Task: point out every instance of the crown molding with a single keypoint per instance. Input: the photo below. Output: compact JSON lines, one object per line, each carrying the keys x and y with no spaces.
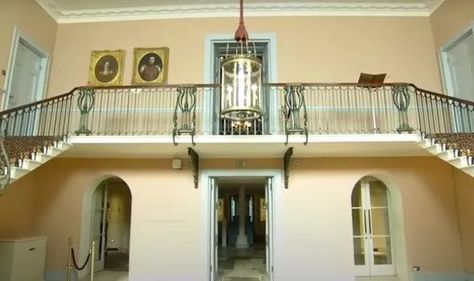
{"x":434,"y":5}
{"x":231,"y":10}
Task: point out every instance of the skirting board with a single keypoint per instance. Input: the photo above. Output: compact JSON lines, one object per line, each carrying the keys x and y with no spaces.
{"x":442,"y":276}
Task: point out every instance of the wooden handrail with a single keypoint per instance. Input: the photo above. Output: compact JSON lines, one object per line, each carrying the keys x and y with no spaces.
{"x":373,"y":85}
{"x":18,"y":108}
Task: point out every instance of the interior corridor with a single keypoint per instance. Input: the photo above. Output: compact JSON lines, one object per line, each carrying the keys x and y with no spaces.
{"x":241,"y":229}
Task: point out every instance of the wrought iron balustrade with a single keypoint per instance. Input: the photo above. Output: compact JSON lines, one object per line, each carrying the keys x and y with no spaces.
{"x":296,"y":108}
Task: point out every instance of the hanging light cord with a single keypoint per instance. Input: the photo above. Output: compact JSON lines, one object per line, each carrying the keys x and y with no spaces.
{"x":241,"y":34}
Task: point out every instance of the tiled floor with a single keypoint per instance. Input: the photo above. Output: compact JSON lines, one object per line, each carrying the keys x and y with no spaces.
{"x":242,"y":264}
{"x":116,"y":268}
{"x":234,"y":265}
{"x":109,"y":276}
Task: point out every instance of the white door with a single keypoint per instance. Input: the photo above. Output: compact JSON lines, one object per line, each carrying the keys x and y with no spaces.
{"x":373,"y":255}
{"x":460,"y":60}
{"x":458,"y":65}
{"x":269,"y":227}
{"x":99,"y":201}
{"x":27,"y":73}
{"x":214,"y":238}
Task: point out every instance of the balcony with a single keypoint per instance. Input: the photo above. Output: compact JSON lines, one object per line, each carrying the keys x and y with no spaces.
{"x":318,"y":120}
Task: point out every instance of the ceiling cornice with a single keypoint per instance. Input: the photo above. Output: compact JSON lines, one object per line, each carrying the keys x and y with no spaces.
{"x":231,"y":10}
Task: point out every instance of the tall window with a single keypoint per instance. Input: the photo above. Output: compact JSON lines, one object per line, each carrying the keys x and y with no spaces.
{"x":371,"y":228}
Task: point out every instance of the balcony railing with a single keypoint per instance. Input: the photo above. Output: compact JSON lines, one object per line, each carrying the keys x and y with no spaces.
{"x":194,"y":110}
{"x":291,"y":109}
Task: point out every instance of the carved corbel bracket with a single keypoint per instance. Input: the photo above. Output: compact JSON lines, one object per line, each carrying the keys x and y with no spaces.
{"x":195,"y":165}
{"x":286,"y":165}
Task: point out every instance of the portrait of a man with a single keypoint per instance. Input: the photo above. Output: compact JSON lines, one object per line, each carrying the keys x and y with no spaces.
{"x":106,"y":68}
{"x":150,"y":66}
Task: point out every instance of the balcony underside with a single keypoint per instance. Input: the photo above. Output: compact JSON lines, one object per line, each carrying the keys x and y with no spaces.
{"x":347,"y":145}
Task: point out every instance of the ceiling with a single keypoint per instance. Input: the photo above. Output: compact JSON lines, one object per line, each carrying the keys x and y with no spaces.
{"x":113,"y":10}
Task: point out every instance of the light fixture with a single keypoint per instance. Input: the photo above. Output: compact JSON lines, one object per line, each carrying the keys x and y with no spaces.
{"x":241,"y":98}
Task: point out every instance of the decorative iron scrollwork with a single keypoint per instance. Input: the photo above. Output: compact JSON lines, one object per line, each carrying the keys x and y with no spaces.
{"x":185,"y":113}
{"x":401,"y":99}
{"x":294,"y":110}
{"x":85,"y":103}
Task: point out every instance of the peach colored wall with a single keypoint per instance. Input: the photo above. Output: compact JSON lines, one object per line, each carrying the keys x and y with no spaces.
{"x":17,"y":209}
{"x":32,"y":20}
{"x":165,"y":210}
{"x":465,"y":195}
{"x":168,"y":238}
{"x":451,"y":18}
{"x":312,"y":49}
{"x":428,"y":198}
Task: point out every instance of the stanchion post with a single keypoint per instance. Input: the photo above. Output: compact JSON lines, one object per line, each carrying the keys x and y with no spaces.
{"x":92,"y":260}
{"x":69,"y":265}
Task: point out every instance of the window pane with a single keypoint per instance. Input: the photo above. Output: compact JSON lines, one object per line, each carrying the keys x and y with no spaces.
{"x":382,"y":250}
{"x":357,"y":222}
{"x":356,"y":196}
{"x":378,"y":194}
{"x":380,"y":223}
{"x":359,"y":251}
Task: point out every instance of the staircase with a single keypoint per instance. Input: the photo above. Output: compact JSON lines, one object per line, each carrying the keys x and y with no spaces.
{"x":456,"y":148}
{"x":24,"y":154}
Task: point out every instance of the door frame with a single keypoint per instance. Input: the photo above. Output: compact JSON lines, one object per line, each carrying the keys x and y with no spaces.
{"x":20,"y":37}
{"x":446,"y":78}
{"x":206,"y":176}
{"x":370,"y":267}
{"x":209,"y":41}
{"x":86,"y":219}
{"x":103,"y":222}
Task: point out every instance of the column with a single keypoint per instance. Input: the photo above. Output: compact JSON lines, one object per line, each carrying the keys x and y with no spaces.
{"x":242,"y":241}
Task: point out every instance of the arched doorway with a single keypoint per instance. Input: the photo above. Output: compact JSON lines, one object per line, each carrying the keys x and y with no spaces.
{"x":110,"y":225}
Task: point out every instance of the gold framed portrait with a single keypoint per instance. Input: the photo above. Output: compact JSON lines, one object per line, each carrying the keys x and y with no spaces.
{"x":106,"y":68}
{"x":150,"y":66}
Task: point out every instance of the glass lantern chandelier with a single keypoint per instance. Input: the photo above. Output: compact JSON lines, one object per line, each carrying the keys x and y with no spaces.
{"x":241,"y":72}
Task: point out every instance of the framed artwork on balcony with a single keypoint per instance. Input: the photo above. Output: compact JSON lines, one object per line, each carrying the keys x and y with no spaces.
{"x":150,"y":66}
{"x":106,"y":68}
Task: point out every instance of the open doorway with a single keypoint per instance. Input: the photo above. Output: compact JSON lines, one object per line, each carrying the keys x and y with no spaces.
{"x":457,"y":64}
{"x":241,"y":228}
{"x":110,"y":229}
{"x":27,"y":72}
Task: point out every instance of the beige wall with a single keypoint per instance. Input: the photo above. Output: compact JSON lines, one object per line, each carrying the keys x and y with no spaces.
{"x":169,"y":215}
{"x":32,"y":21}
{"x":427,"y":195}
{"x":309,"y":49}
{"x":452,"y":17}
{"x":17,"y":209}
{"x":465,"y":199}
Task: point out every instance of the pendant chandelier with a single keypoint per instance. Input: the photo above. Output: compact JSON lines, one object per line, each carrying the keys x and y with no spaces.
{"x":241,"y":79}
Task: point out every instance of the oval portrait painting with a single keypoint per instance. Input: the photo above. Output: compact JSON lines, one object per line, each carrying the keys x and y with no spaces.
{"x":106,"y":68}
{"x":150,"y":66}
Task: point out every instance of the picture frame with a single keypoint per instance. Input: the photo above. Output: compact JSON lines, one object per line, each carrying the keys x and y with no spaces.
{"x":150,"y":66}
{"x":106,"y":67}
